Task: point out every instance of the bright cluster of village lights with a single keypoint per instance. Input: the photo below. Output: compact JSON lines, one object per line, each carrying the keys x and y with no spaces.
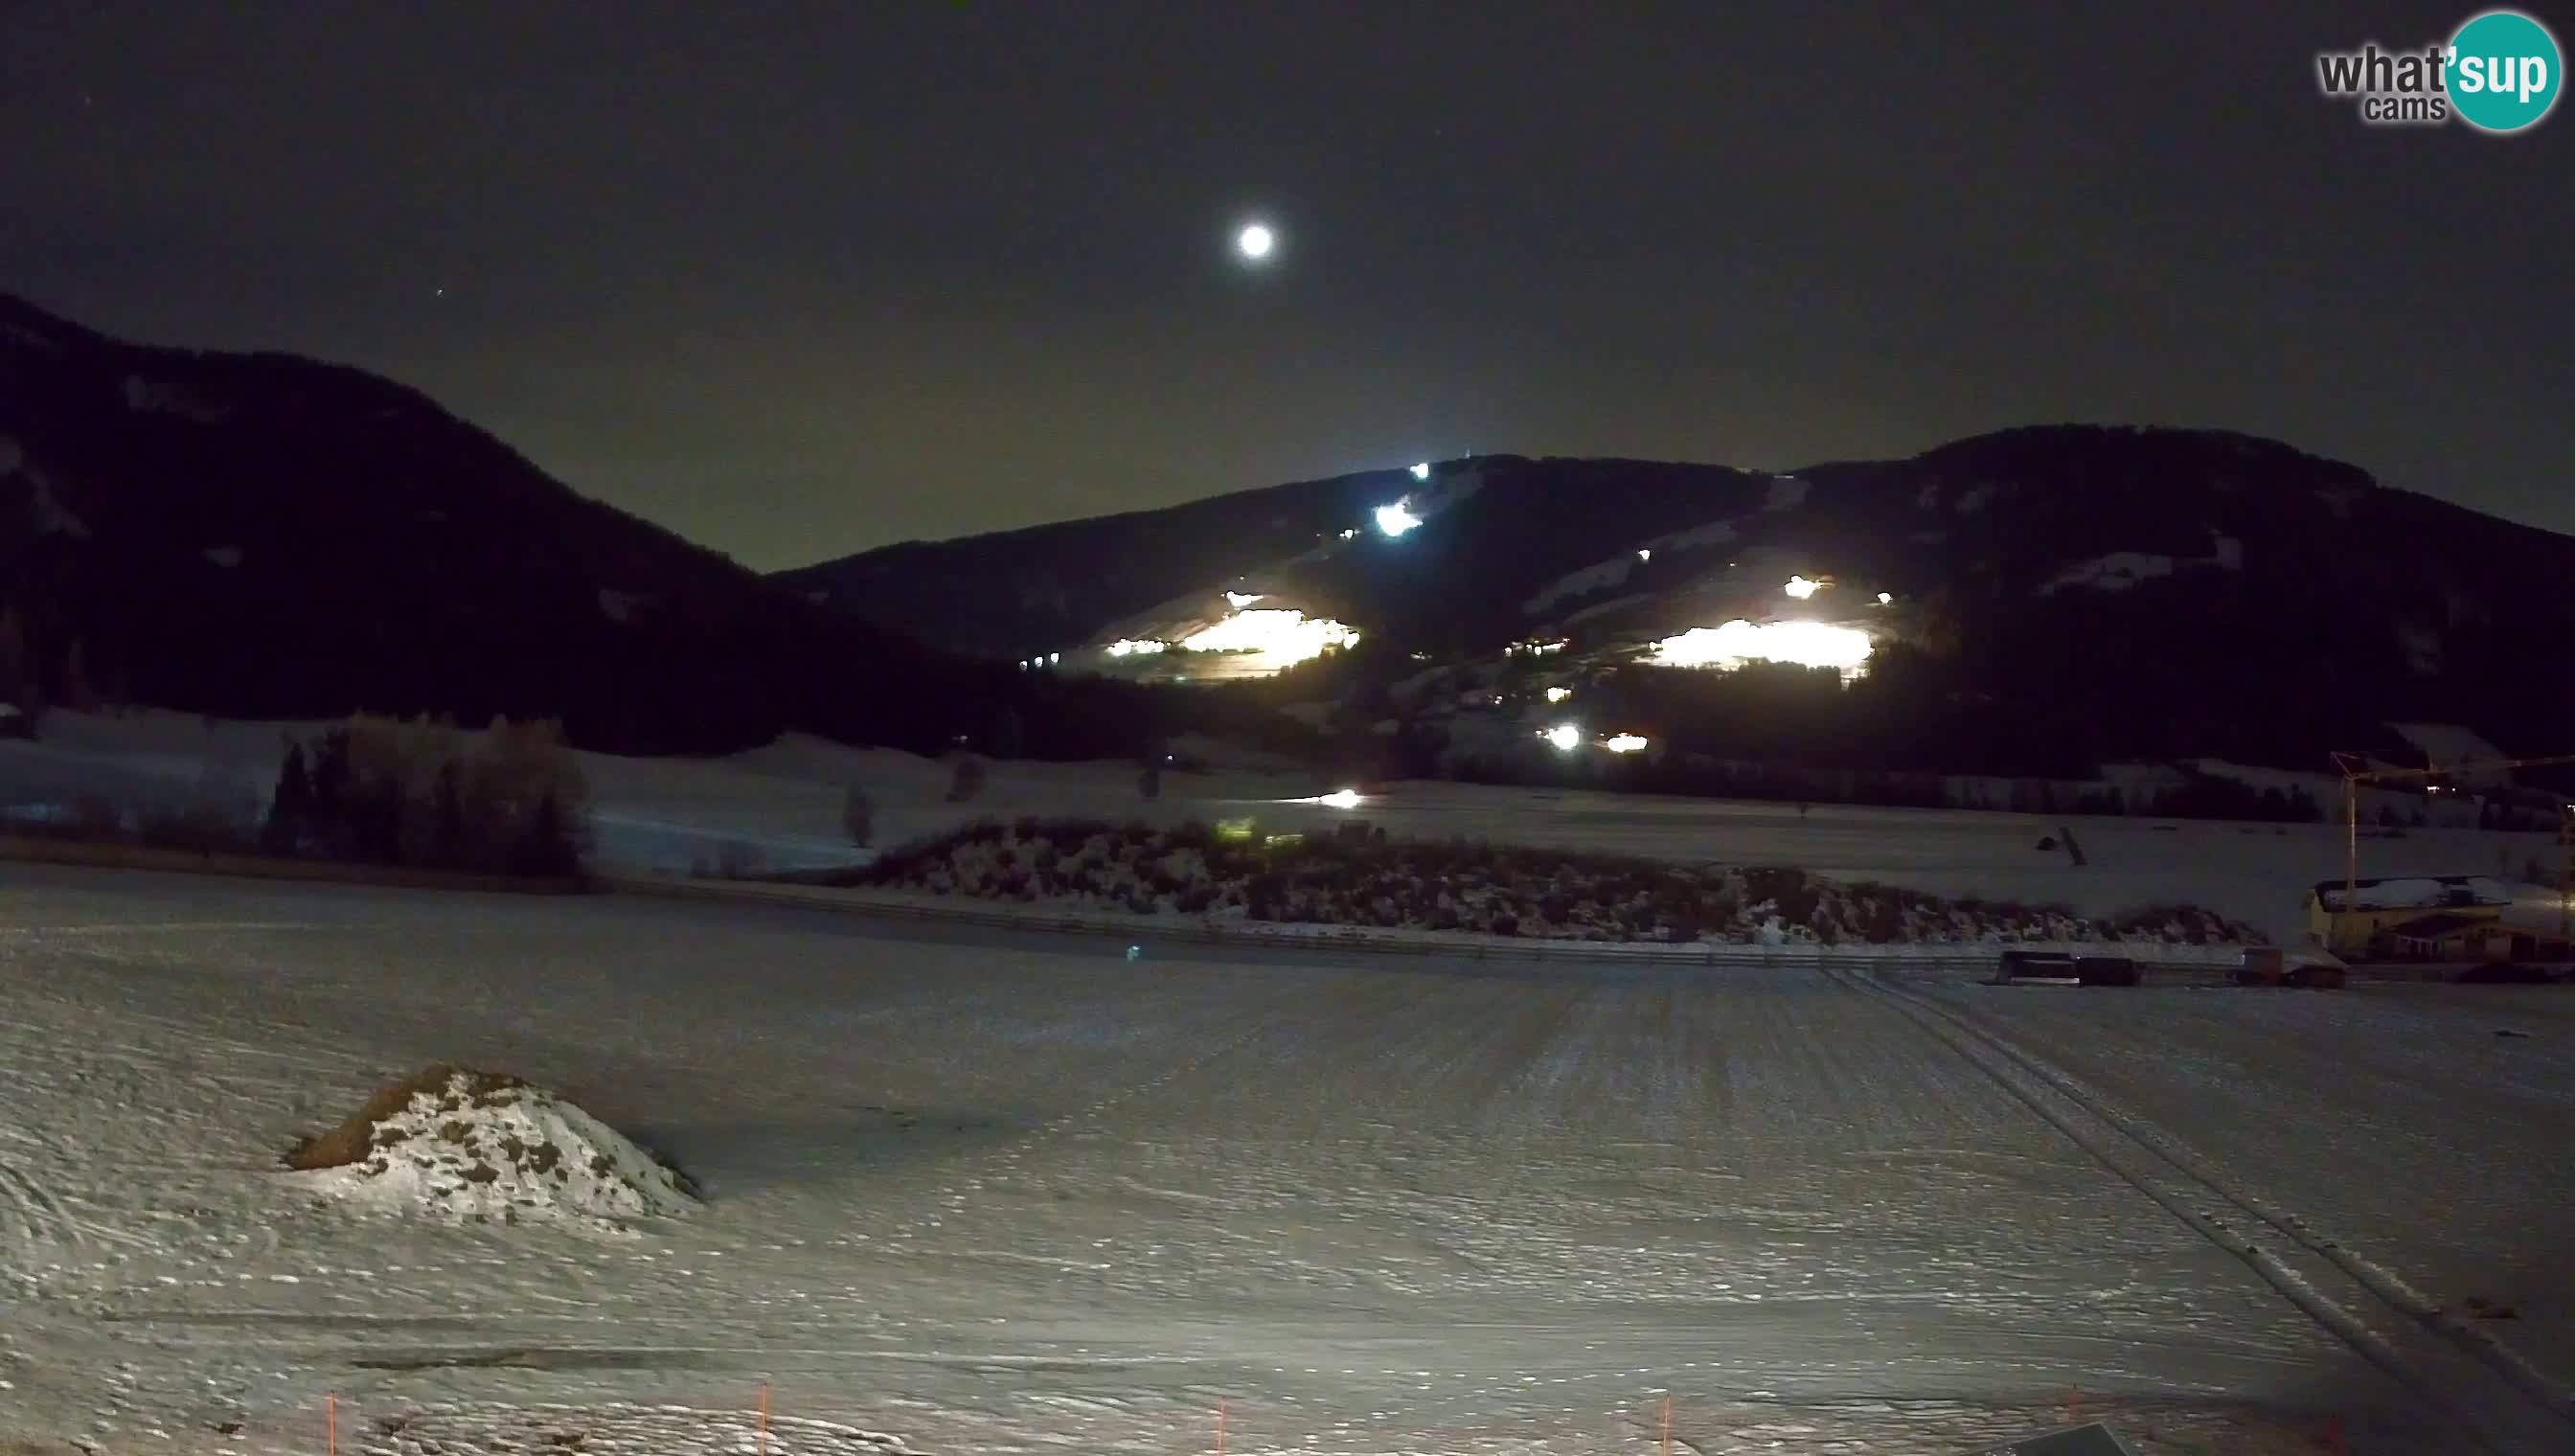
{"x":1737,"y":642}
{"x":1129,"y":647}
{"x":1801,"y":589}
{"x":1564,"y":737}
{"x":1283,"y":634}
{"x":1337,"y":798}
{"x":1396,"y":519}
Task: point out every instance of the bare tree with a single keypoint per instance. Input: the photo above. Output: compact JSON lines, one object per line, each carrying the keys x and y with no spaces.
{"x":858,"y":815}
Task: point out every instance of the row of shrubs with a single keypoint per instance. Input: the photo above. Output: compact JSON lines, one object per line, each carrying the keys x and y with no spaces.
{"x":1359,"y":876}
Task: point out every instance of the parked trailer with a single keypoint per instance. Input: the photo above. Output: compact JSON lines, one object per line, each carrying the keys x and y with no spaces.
{"x":2260,"y":966}
{"x":2108,"y":971}
{"x":2064,"y":968}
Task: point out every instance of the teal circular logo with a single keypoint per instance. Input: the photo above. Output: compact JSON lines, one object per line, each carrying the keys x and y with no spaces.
{"x":2505,"y":70}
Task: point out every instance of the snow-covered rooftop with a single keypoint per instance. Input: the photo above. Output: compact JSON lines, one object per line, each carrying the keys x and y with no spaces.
{"x":2425,"y":892}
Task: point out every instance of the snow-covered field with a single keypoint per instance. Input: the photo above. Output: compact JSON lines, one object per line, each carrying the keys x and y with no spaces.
{"x":784,"y":803}
{"x":991,"y":1195}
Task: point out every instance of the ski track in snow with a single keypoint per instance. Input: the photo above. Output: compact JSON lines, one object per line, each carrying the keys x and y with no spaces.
{"x":1003,"y":1196}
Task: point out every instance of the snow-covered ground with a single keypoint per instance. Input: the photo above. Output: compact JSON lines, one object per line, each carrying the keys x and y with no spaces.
{"x":783,"y":802}
{"x":998,"y":1195}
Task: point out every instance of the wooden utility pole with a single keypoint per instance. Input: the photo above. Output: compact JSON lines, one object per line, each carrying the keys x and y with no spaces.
{"x":2566,"y":875}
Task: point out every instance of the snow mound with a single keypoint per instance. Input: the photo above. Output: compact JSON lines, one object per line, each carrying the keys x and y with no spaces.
{"x":616,"y":1430}
{"x":472,"y":1145}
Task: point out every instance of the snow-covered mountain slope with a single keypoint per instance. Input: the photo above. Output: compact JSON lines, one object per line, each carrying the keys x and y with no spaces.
{"x":2177,"y":571}
{"x":263,"y":536}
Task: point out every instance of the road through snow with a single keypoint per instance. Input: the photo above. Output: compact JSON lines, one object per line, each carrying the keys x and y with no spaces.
{"x":1028,"y":1195}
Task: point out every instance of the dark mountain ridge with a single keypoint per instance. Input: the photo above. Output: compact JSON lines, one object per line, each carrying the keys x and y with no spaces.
{"x":259,"y":535}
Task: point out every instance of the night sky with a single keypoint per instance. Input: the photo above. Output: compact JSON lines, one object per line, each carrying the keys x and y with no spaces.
{"x":801,"y":280}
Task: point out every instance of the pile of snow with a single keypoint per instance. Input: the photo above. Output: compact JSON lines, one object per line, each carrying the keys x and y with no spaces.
{"x":472,"y":1145}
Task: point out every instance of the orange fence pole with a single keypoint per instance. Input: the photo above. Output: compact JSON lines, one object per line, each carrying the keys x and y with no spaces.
{"x":1668,"y":1424}
{"x":331,"y":1424}
{"x":1219,"y":1426}
{"x":764,"y":1418}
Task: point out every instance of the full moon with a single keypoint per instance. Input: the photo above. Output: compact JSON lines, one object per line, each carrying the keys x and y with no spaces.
{"x":1254,"y":242}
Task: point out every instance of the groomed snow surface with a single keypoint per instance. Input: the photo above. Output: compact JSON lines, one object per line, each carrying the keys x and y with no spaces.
{"x":1018,"y":1195}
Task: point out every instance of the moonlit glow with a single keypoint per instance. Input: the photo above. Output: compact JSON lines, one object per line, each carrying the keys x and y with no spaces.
{"x":1801,"y":589}
{"x":1396,"y":519}
{"x":1255,"y":241}
{"x":1565,"y":737}
{"x":1421,"y":472}
{"x":1806,"y":643}
{"x":1281,"y":635}
{"x":1625,"y":743}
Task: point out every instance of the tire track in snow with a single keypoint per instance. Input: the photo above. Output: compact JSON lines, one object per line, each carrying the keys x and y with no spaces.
{"x":33,"y":1214}
{"x":2378,"y":1278}
{"x":2204,"y":1203}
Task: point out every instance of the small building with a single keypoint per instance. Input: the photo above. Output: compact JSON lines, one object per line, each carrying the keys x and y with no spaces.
{"x":2447,"y":936}
{"x":2380,"y":905}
